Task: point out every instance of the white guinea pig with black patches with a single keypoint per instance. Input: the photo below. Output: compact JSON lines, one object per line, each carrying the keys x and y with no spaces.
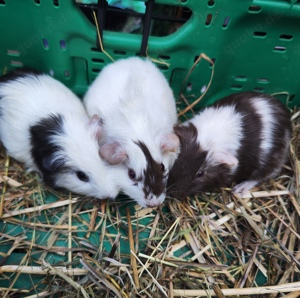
{"x":242,"y":139}
{"x":138,"y":110}
{"x":44,"y":125}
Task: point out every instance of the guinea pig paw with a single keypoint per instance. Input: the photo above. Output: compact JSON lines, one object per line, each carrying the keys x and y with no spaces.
{"x":243,"y":187}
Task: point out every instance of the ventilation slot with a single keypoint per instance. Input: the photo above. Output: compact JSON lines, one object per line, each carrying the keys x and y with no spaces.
{"x":16,"y":63}
{"x":2,"y":2}
{"x":240,"y":78}
{"x":263,"y":81}
{"x":13,"y":53}
{"x":119,"y":52}
{"x":162,"y":66}
{"x":259,"y":34}
{"x":286,"y":37}
{"x":63,"y":45}
{"x":96,"y":60}
{"x":259,"y":89}
{"x":236,"y":87}
{"x":254,"y":9}
{"x":279,"y":49}
{"x":45,"y":44}
{"x":164,"y":57}
{"x":226,"y":22}
{"x":189,"y":87}
{"x":292,"y":97}
{"x":208,"y":19}
{"x":37,"y":2}
{"x":56,"y":3}
{"x":96,"y":70}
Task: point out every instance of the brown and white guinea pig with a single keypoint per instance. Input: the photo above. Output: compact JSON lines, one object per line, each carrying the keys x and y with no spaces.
{"x":242,"y":139}
{"x":138,"y":109}
{"x":44,"y":125}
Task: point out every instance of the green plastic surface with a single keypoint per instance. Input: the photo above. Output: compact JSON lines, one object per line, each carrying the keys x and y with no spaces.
{"x":255,"y":45}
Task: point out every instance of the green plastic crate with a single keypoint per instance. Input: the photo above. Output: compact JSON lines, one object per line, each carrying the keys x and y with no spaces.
{"x":255,"y":45}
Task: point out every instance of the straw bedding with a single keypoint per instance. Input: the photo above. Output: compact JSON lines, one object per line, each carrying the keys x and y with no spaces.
{"x":55,"y":244}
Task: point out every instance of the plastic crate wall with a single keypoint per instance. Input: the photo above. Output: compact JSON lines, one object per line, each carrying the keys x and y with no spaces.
{"x":255,"y":45}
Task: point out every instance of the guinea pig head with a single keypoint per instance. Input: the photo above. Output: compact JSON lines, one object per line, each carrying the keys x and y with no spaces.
{"x":197,"y":169}
{"x":144,"y":177}
{"x":66,"y":151}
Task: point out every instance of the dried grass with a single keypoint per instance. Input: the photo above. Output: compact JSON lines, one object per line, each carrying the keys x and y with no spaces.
{"x":216,"y":244}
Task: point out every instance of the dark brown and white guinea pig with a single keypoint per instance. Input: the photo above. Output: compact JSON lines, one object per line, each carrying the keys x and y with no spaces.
{"x":138,"y":109}
{"x":242,"y":139}
{"x":44,"y":125}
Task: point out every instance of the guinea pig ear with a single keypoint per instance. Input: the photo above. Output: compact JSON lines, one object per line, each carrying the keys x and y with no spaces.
{"x":95,"y":124}
{"x":170,"y":143}
{"x":113,"y":153}
{"x":225,"y":157}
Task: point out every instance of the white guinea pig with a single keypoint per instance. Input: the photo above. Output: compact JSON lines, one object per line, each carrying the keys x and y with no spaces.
{"x":44,"y":125}
{"x":138,"y":110}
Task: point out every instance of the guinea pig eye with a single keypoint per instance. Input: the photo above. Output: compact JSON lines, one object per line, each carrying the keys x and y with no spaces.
{"x":162,"y":167}
{"x":82,"y":176}
{"x":200,"y":174}
{"x":131,"y":174}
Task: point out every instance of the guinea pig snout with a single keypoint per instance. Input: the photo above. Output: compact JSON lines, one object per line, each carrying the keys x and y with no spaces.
{"x":154,"y":201}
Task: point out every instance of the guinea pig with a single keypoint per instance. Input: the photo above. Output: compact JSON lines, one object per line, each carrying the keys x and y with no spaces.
{"x":136,"y":104}
{"x":44,"y":125}
{"x":242,"y":139}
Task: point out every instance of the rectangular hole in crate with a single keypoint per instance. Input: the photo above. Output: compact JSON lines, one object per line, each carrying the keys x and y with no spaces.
{"x":2,"y":2}
{"x":37,"y":2}
{"x":162,"y":66}
{"x":120,"y":52}
{"x":67,"y":73}
{"x":286,"y":37}
{"x":97,"y":50}
{"x":45,"y":43}
{"x":97,"y":60}
{"x":258,"y":89}
{"x":226,"y":22}
{"x":259,"y":34}
{"x":96,"y":70}
{"x":164,"y":57}
{"x":63,"y":45}
{"x":56,"y":3}
{"x":16,"y":63}
{"x":208,"y":19}
{"x":263,"y":80}
{"x":254,"y":9}
{"x":291,"y":97}
{"x":236,"y":87}
{"x":240,"y":78}
{"x":280,"y":49}
{"x":13,"y":53}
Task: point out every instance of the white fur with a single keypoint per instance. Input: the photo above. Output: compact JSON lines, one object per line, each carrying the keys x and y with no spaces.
{"x":222,"y":138}
{"x":136,"y":104}
{"x":266,"y":113}
{"x":24,"y":102}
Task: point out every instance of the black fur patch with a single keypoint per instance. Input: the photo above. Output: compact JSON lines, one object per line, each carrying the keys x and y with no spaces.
{"x":43,"y":149}
{"x":154,"y":177}
{"x":183,"y":179}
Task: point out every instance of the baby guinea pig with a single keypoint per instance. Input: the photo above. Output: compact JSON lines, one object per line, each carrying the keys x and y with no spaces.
{"x":137,"y":106}
{"x":44,"y":125}
{"x":242,"y":139}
